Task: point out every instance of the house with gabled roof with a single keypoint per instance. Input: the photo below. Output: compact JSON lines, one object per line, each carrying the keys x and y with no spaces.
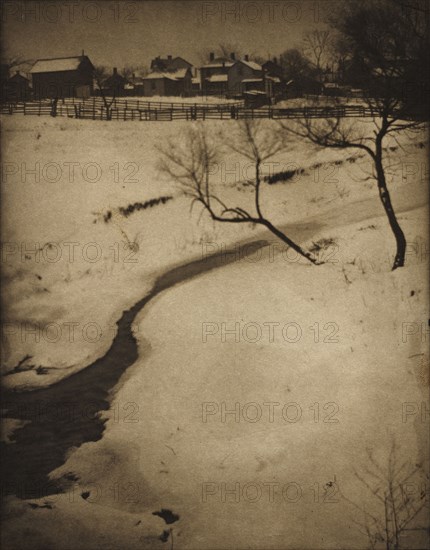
{"x":63,"y":77}
{"x":214,"y":75}
{"x":169,"y":63}
{"x":168,"y":83}
{"x":242,"y":73}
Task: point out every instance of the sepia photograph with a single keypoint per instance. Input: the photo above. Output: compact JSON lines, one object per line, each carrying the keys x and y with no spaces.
{"x":215,"y":257}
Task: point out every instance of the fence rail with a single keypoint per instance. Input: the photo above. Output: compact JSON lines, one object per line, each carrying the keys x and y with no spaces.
{"x":95,"y":109}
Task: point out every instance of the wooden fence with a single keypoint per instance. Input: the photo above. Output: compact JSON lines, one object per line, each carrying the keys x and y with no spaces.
{"x":94,"y":109}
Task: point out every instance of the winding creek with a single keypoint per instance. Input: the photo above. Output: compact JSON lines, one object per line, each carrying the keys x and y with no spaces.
{"x":66,"y":414}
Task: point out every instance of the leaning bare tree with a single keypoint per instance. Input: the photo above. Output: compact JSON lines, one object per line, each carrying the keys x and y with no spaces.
{"x":384,"y":70}
{"x":397,"y":500}
{"x":191,"y":163}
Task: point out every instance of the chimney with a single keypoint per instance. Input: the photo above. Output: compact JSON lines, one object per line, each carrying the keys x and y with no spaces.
{"x":83,"y":53}
{"x":275,"y":60}
{"x":115,"y":70}
{"x":169,"y":58}
{"x":233,"y":56}
{"x":211,"y":56}
{"x":246,"y":57}
{"x":17,"y":72}
{"x":134,"y":76}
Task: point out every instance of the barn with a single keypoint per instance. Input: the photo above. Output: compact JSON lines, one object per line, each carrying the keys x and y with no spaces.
{"x":63,"y":77}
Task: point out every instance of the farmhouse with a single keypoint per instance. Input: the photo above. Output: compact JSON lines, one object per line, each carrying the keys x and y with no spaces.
{"x":168,"y":83}
{"x":214,"y":75}
{"x":242,"y":73}
{"x":63,"y":77}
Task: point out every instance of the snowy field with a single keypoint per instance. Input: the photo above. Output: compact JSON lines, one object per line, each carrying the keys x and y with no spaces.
{"x":354,"y":351}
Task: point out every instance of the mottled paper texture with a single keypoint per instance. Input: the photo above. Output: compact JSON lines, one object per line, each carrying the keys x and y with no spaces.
{"x":214,"y":258}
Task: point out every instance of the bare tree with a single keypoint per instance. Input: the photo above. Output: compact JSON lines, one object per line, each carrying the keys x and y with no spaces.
{"x":191,"y":165}
{"x":337,"y":133}
{"x":397,"y":497}
{"x":384,"y":46}
{"x":17,"y":61}
{"x":316,"y":46}
{"x":222,"y":51}
{"x":129,"y":70}
{"x":100,"y":75}
{"x":296,"y":65}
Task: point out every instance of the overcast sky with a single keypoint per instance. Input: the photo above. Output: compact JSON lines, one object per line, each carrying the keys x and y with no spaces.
{"x":133,"y":32}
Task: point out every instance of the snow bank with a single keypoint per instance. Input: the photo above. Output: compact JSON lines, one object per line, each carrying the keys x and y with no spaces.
{"x":62,"y":177}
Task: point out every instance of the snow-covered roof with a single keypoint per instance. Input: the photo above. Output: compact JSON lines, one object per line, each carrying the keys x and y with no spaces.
{"x":218,"y":64}
{"x":254,"y":92}
{"x":252,"y":80}
{"x":252,"y":65}
{"x":273,"y":79}
{"x":56,"y":65}
{"x":171,"y":75}
{"x":217,"y":78}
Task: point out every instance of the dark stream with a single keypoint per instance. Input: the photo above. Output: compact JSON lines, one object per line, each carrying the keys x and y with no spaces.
{"x":66,"y":414}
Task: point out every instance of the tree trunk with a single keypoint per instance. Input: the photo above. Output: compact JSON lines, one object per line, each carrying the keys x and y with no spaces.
{"x":384,"y":195}
{"x":310,"y":257}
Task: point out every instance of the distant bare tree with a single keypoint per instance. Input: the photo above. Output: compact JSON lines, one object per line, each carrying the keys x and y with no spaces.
{"x":296,"y":65}
{"x":15,"y":62}
{"x":190,"y":162}
{"x":128,"y":71}
{"x":316,"y":46}
{"x":101,"y":74}
{"x":223,"y":50}
{"x":398,"y":496}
